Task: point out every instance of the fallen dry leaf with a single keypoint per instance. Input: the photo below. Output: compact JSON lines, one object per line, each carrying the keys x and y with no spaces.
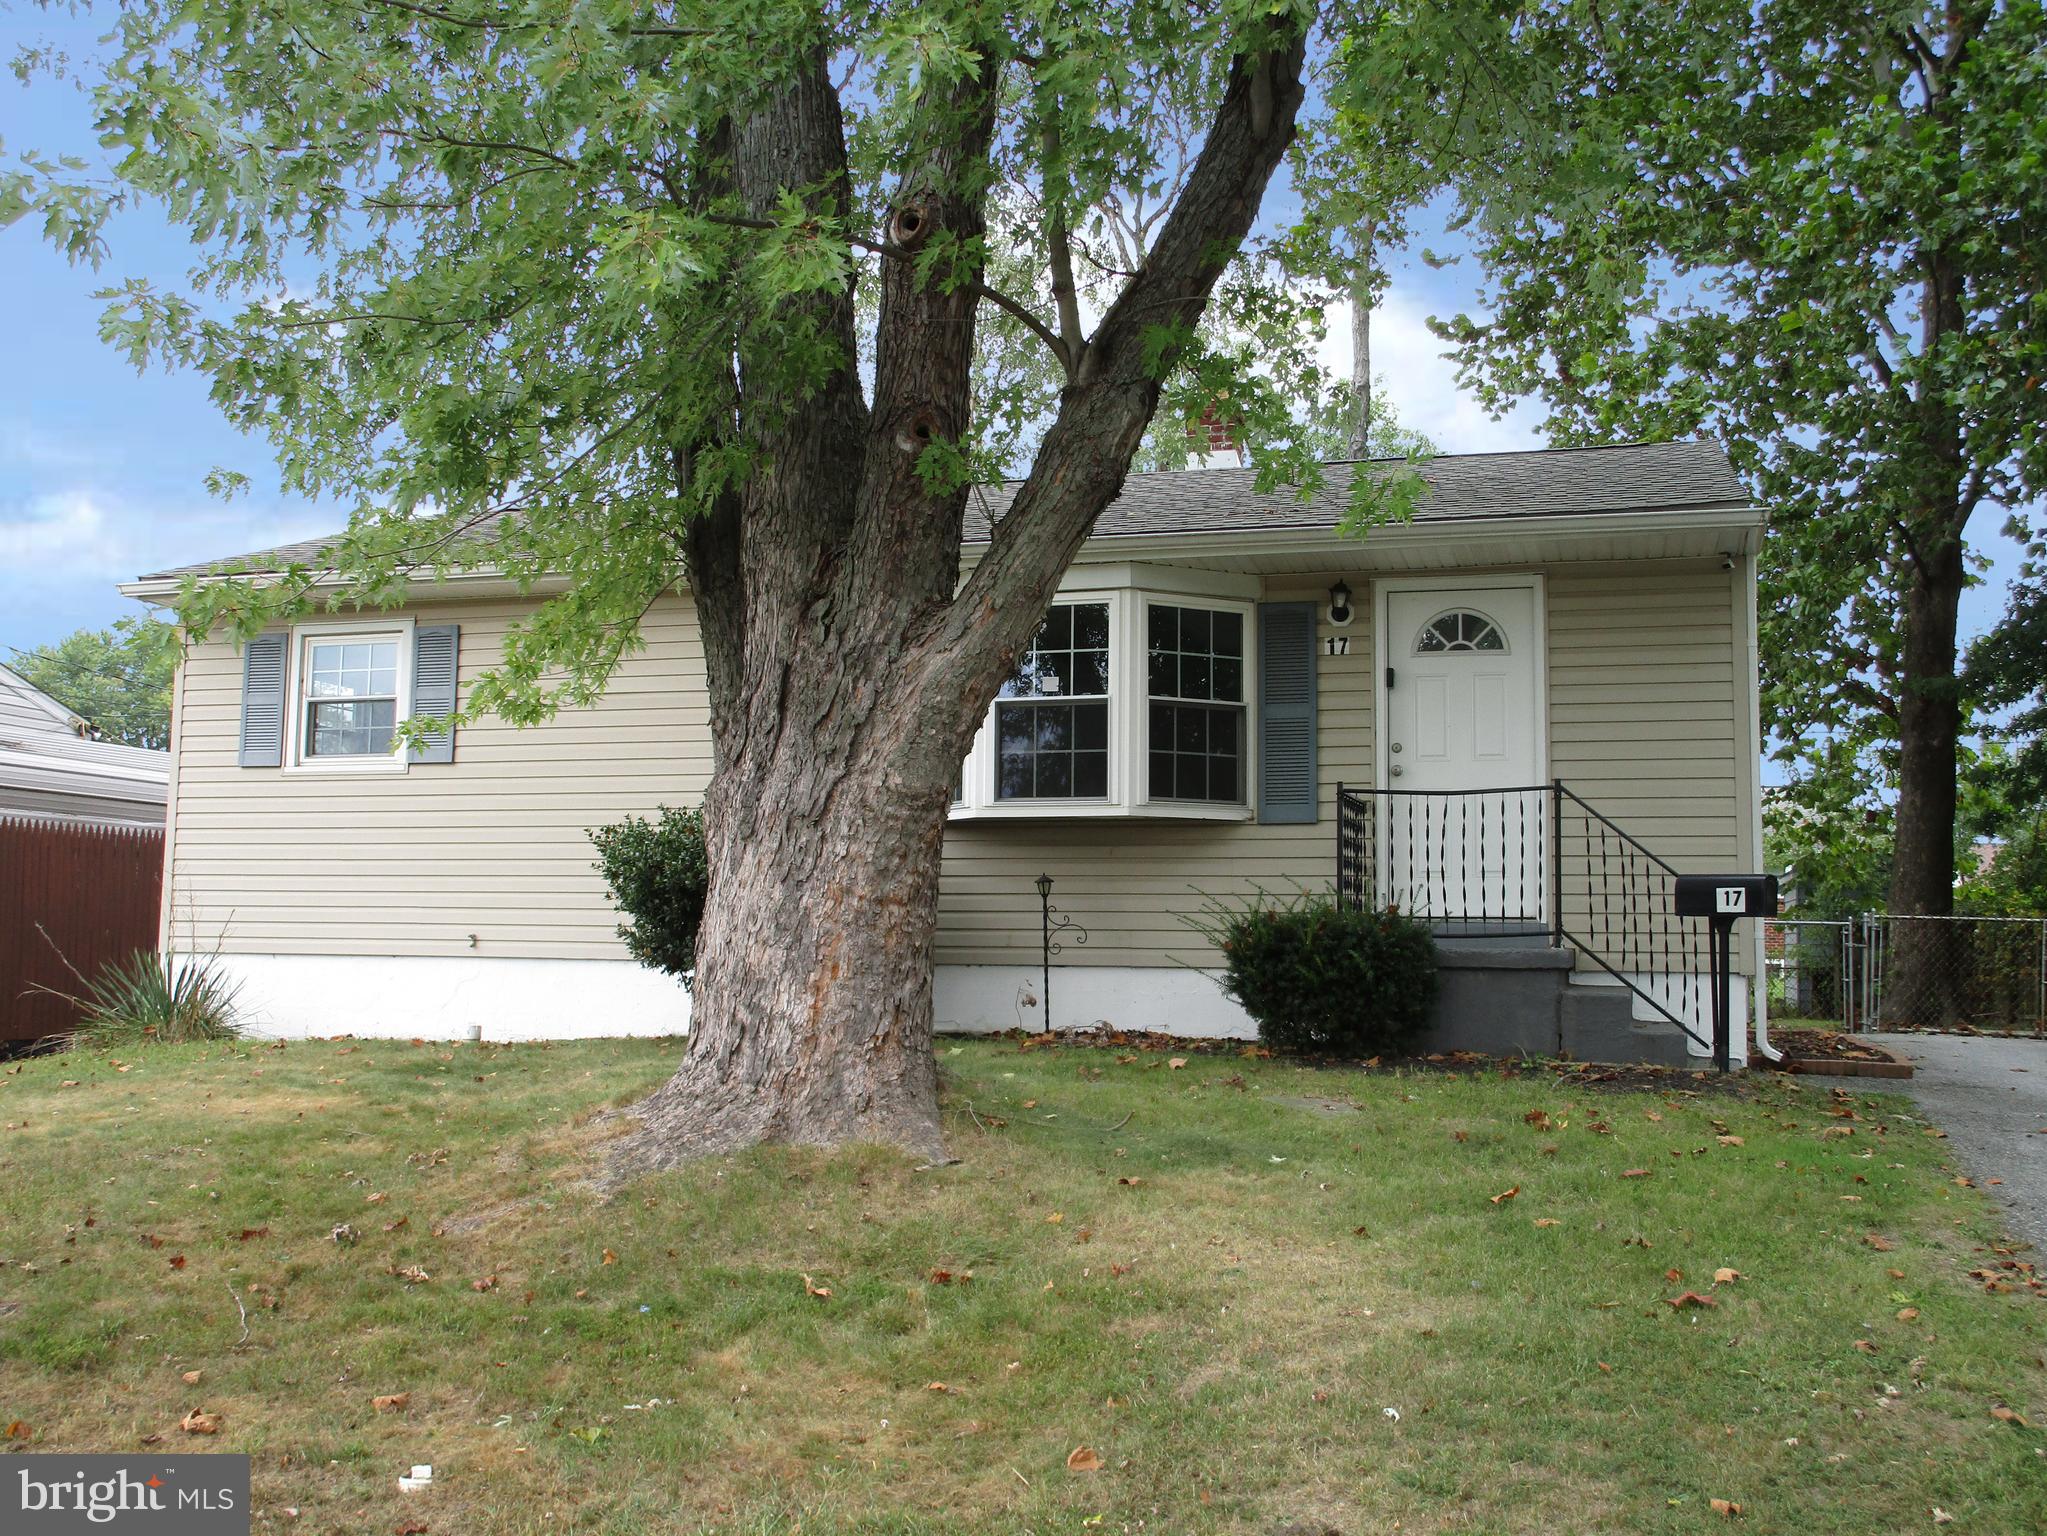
{"x":1055,"y":1218}
{"x":487,"y":1283}
{"x":812,"y":1288}
{"x":191,"y":1378}
{"x":253,"y":1232}
{"x":610,"y":1257}
{"x":1692,"y":1299}
{"x":1726,"y":1276}
{"x":1940,"y":1516}
{"x":1729,"y":1141}
{"x":1545,"y":1221}
{"x":1725,"y":1507}
{"x":1635,"y":1173}
{"x":177,"y":1261}
{"x":392,"y":1402}
{"x":1083,"y":1459}
{"x":1174,"y":1065}
{"x":197,"y":1423}
{"x":18,"y":1430}
{"x":1908,"y":1314}
{"x":1505,"y":1195}
{"x":1865,"y":1346}
{"x":1880,"y":1244}
{"x":2008,"y":1416}
{"x":936,"y":1386}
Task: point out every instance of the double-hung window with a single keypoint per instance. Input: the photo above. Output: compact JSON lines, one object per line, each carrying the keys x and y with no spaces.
{"x":1052,"y":714}
{"x":349,"y":700}
{"x":1194,"y":662}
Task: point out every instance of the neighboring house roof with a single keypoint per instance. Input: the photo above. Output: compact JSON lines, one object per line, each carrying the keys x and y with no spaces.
{"x":50,"y":765}
{"x":1462,"y":487}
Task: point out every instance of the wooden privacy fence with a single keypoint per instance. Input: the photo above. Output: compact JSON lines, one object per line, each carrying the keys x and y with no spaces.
{"x":94,"y":889}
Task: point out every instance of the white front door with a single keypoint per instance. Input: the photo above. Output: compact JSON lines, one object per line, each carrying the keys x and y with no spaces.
{"x":1461,"y":827}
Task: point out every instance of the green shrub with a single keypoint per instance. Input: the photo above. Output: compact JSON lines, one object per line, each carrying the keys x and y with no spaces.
{"x":168,"y":1000}
{"x":1324,"y":979}
{"x":659,"y":875}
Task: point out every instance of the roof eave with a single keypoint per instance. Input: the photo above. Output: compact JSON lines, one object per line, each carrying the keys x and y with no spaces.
{"x":1743,"y":519}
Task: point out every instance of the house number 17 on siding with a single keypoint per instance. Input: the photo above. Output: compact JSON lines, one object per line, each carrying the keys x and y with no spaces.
{"x":1336,"y":645}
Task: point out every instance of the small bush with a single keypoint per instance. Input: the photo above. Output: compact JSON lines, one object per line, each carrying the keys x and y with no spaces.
{"x":154,"y":998}
{"x":659,"y":875}
{"x":1324,"y":979}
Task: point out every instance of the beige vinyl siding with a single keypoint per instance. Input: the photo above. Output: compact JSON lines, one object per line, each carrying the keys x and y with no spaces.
{"x":494,"y":844}
{"x":1133,"y":882}
{"x":1642,"y":720}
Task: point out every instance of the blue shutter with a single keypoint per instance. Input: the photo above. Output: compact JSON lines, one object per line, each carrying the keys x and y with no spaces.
{"x":433,"y":686}
{"x":1286,"y":712}
{"x":263,"y":702}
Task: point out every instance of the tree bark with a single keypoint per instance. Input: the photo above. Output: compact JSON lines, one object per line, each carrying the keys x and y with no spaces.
{"x":849,"y":668}
{"x":1361,"y":343}
{"x":1918,"y":981}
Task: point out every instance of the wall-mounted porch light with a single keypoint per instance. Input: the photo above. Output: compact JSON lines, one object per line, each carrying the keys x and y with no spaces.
{"x":1340,"y":611}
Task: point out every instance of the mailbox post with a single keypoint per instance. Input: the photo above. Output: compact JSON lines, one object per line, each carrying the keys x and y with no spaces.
{"x":1724,"y":900}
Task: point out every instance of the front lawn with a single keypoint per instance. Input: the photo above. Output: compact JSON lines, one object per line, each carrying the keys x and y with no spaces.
{"x":1256,"y":1295}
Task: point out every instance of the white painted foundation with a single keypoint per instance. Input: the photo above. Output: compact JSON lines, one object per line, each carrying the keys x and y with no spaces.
{"x":309,"y":996}
{"x":1173,"y":1000}
{"x":302,"y":996}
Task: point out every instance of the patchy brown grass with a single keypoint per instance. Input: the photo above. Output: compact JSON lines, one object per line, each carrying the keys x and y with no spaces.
{"x":1251,"y":1263}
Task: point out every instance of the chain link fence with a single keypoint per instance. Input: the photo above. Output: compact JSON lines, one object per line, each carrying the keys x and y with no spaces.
{"x":1808,"y":971}
{"x":1953,"y":972}
{"x":1880,"y":971}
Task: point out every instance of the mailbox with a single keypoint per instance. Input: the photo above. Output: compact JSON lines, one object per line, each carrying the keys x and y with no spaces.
{"x":1726,"y":896}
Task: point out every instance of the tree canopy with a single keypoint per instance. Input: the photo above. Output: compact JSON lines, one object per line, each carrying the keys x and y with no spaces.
{"x":119,"y":679}
{"x":1819,"y":230}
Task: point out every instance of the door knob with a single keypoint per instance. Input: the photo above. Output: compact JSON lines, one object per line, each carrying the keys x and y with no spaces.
{"x":1396,"y":770}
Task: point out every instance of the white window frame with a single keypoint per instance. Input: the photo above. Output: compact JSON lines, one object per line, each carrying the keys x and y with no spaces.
{"x":303,"y":637}
{"x":1246,"y":793}
{"x":1129,"y":590}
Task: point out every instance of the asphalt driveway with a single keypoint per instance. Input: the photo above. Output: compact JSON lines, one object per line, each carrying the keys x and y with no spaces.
{"x":1990,"y":1096}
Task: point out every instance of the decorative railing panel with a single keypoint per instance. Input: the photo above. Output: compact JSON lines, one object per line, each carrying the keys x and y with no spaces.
{"x":1529,"y":860}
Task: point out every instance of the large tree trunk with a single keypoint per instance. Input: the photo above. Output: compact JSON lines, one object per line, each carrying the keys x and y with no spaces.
{"x":1918,"y":981}
{"x":848,"y":666}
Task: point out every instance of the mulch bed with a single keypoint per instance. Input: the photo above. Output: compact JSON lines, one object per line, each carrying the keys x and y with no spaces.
{"x":1832,"y":1052}
{"x":1591,"y":1074}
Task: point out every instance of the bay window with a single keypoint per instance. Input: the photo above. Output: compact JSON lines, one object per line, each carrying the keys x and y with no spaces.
{"x":1127,"y":701}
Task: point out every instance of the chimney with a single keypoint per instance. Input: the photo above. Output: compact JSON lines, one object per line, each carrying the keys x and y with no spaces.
{"x":1212,"y":442}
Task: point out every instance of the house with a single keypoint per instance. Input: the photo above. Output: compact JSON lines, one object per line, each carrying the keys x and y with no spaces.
{"x":1518,"y":714}
{"x":52,"y":767}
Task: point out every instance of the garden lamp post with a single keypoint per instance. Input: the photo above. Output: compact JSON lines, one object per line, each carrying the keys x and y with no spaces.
{"x":1052,"y":921}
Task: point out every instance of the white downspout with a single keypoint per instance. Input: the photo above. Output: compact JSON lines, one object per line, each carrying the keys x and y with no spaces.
{"x":1751,"y":662}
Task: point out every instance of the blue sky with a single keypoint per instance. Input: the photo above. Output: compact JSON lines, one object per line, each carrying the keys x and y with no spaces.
{"x":102,"y":471}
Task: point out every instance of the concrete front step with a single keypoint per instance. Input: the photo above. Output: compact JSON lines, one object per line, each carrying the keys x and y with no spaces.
{"x":1506,"y":997}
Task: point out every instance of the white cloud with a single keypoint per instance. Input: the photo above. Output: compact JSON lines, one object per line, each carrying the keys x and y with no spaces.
{"x":1422,"y":382}
{"x":78,"y":534}
{"x":66,"y":533}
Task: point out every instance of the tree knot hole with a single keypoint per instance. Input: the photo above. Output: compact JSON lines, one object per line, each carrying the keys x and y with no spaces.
{"x":918,"y":431}
{"x":910,"y":225}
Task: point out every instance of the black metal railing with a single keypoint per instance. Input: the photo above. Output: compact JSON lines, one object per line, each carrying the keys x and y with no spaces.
{"x":1473,"y":862}
{"x":1526,"y":861}
{"x":1615,"y":903}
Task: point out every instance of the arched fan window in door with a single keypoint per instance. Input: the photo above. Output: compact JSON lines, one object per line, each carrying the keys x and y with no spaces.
{"x":1459,"y":630}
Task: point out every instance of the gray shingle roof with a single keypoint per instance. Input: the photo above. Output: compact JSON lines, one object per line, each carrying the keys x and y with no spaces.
{"x":1544,"y":482}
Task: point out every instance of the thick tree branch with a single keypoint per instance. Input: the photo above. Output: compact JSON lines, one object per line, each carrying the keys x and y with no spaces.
{"x":1086,"y":453}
